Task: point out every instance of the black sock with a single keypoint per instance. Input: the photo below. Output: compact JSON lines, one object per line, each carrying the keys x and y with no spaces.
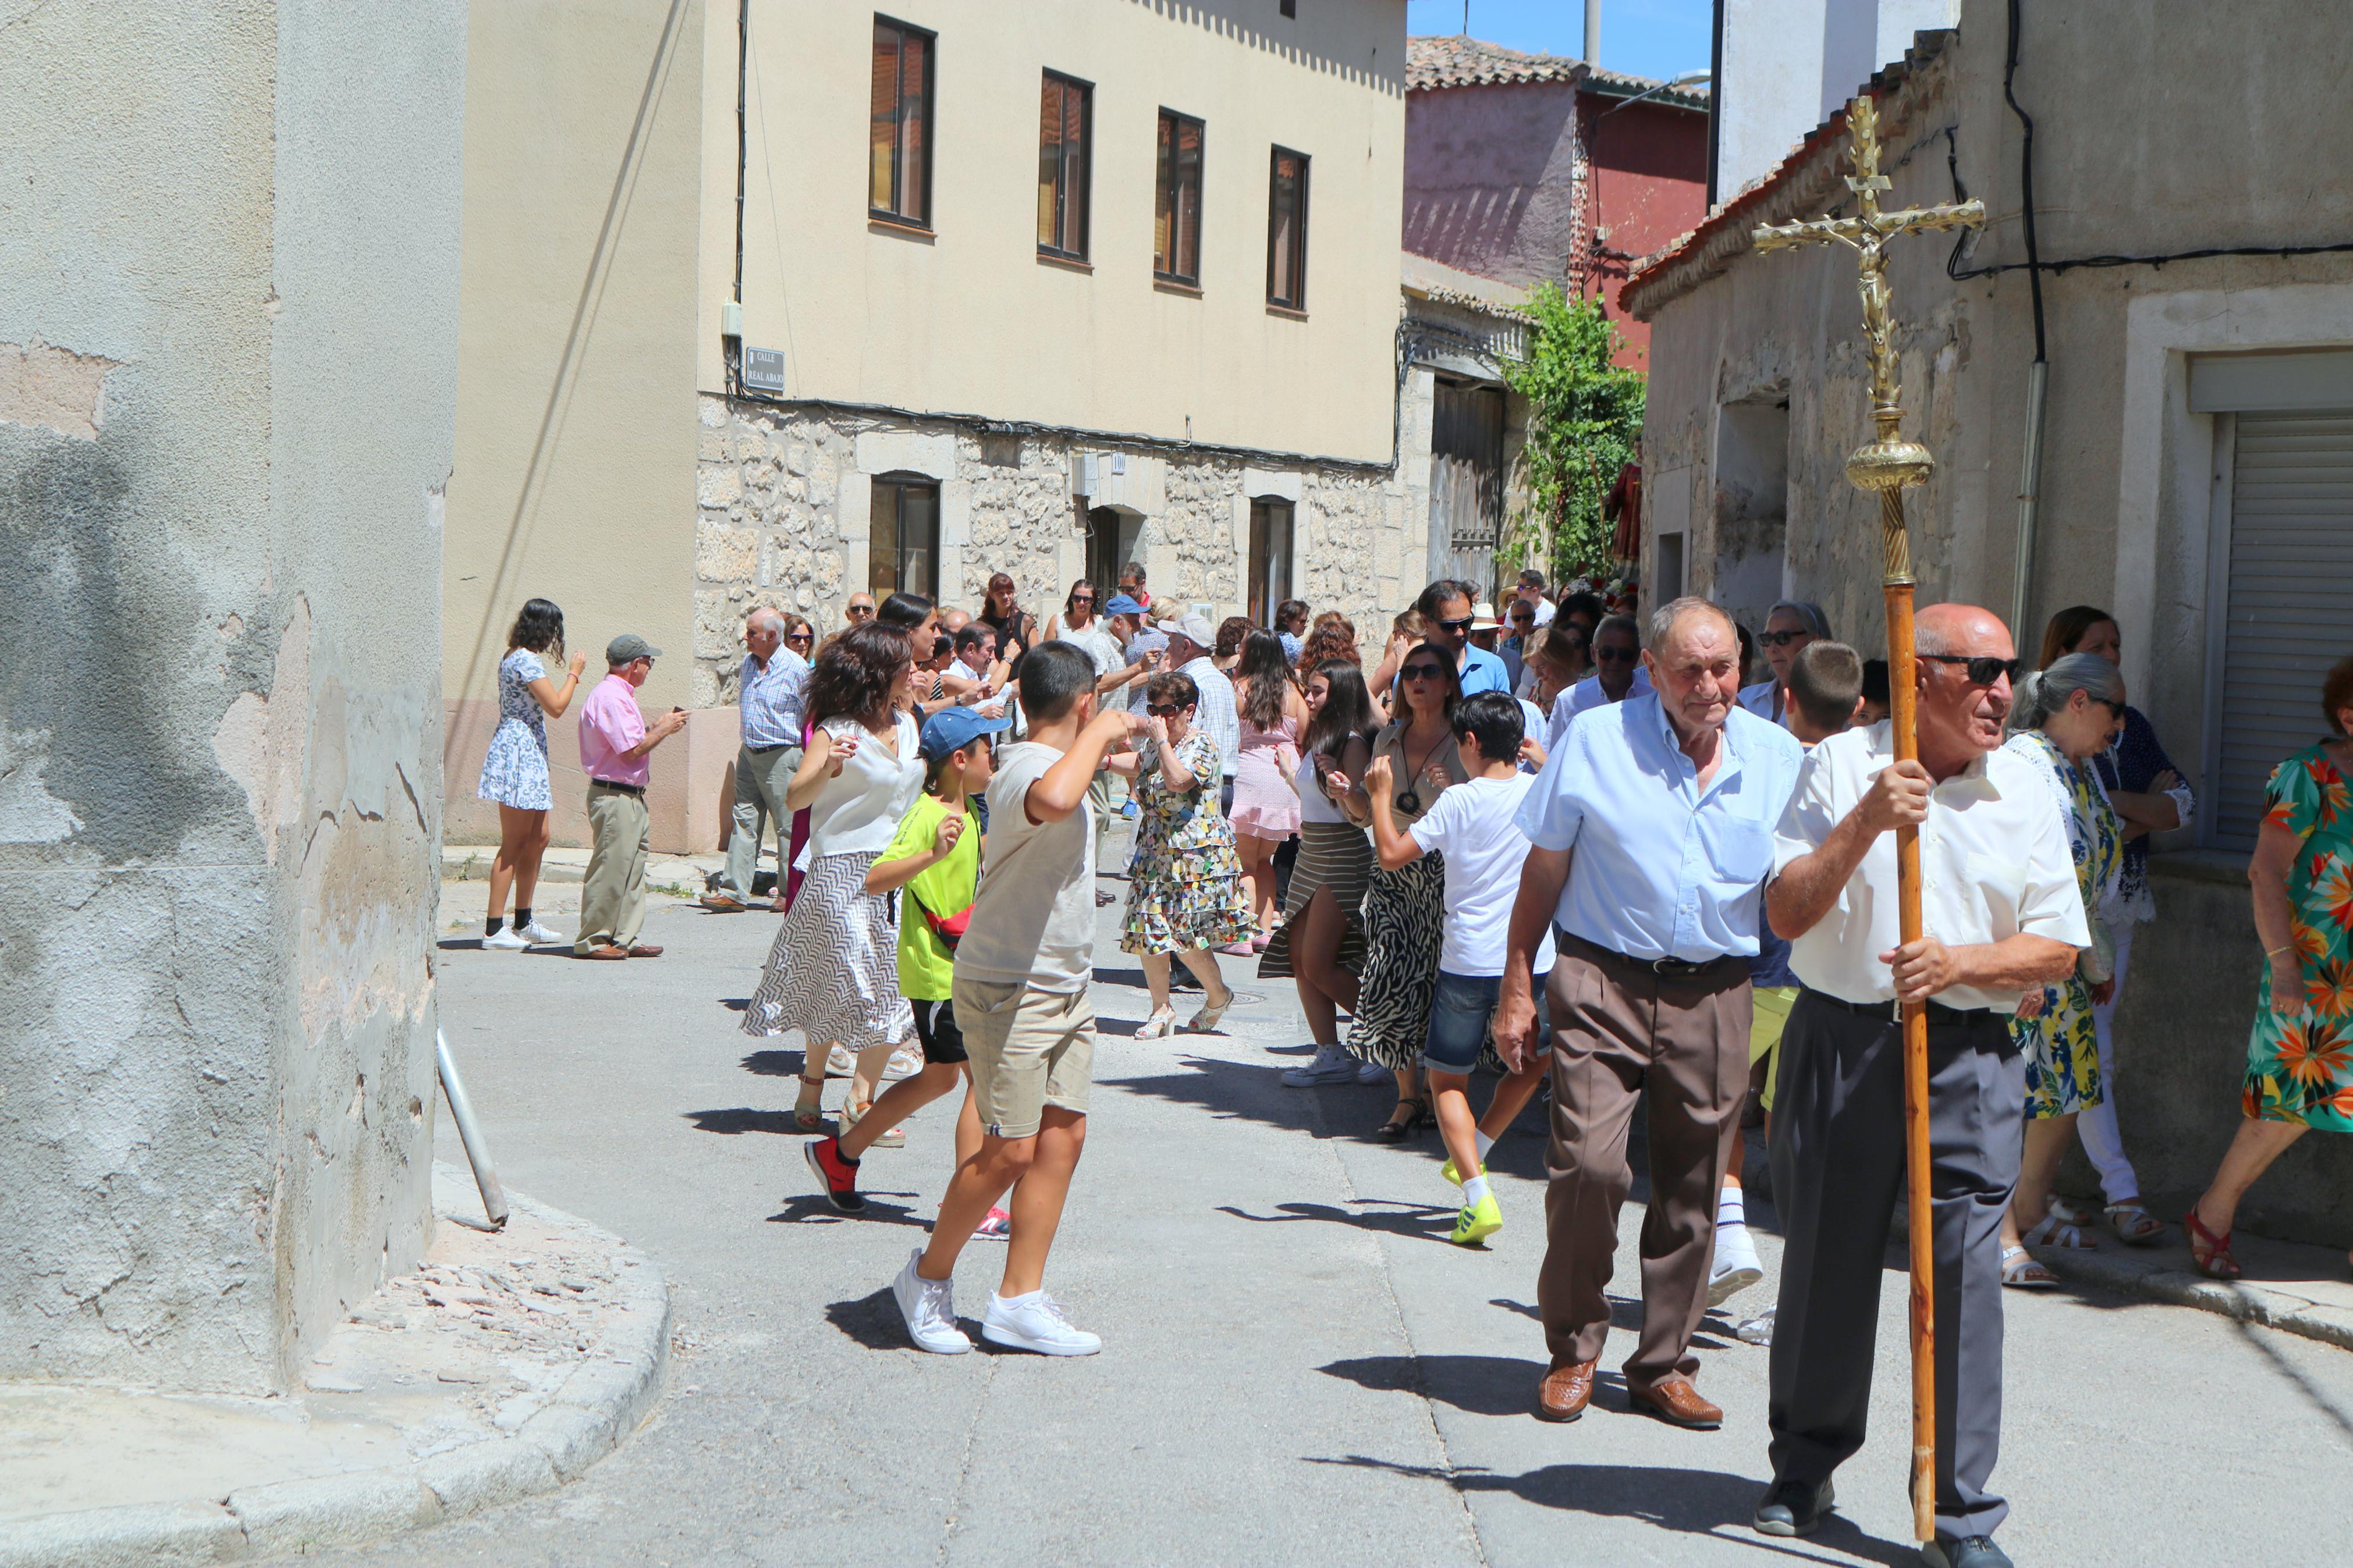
{"x":523,"y":917}
{"x":490,"y":926}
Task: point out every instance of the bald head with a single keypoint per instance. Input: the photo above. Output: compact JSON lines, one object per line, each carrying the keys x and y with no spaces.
{"x":764,"y":633}
{"x":765,"y":619}
{"x":1966,"y":629}
{"x":1959,"y":718}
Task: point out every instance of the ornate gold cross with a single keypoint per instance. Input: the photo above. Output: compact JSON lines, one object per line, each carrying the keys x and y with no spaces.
{"x":1886,"y":465}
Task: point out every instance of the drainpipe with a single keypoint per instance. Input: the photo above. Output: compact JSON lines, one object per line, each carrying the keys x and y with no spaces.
{"x":2030,"y":479}
{"x":1593,"y":32}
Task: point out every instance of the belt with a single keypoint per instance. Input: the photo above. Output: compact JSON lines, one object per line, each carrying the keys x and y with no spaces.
{"x":1892,"y":1009}
{"x":779,"y":746}
{"x":1664,"y":968}
{"x":625,"y":789}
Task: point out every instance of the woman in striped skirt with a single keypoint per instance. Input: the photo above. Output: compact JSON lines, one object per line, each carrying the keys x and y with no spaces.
{"x":1405,"y":908}
{"x":833,"y":970}
{"x":1320,"y":944}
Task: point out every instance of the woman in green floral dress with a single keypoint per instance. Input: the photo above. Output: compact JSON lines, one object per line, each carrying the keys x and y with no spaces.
{"x":1186,"y":895}
{"x":2061,"y":720}
{"x":2300,"y":1058}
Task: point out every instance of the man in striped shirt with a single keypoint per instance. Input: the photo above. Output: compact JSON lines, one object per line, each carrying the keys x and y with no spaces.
{"x":768,"y":697}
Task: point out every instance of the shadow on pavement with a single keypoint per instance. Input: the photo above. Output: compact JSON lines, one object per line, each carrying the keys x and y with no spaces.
{"x":1419,"y":1221}
{"x":1254,"y":1092}
{"x":1691,"y":1502}
{"x":872,"y":1321}
{"x":776,"y":1064}
{"x":811,"y":1208}
{"x":743,"y":1119}
{"x":1481,"y":1385}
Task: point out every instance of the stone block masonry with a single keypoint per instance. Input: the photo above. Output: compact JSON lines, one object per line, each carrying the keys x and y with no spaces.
{"x":785,"y":493}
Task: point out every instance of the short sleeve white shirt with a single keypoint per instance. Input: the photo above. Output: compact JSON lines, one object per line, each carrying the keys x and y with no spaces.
{"x":1474,"y":824}
{"x":1994,"y":864}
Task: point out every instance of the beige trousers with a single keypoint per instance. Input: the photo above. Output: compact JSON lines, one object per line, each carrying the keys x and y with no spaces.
{"x":613,"y":894}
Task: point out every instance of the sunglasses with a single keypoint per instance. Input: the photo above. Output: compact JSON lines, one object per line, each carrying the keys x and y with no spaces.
{"x":1616,"y":654}
{"x":1163,"y":710}
{"x":2116,"y":710}
{"x":1780,"y":639}
{"x":1083,"y":598}
{"x":799,"y":636}
{"x":1983,"y":669}
{"x":1424,"y":672}
{"x":1462,"y":625}
{"x":859,"y":612}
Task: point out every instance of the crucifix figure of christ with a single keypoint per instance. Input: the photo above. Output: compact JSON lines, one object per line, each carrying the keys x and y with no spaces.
{"x":1888,"y":464}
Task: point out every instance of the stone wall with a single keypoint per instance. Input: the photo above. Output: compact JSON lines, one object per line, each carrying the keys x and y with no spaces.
{"x":784,"y":495}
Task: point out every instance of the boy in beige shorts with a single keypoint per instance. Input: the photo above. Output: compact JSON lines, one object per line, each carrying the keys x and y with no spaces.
{"x":1021,"y":997}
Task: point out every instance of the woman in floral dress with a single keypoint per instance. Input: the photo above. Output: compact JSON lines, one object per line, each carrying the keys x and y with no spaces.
{"x":514,"y":768}
{"x":1186,"y":895}
{"x":2300,"y":1059}
{"x":2061,"y":720}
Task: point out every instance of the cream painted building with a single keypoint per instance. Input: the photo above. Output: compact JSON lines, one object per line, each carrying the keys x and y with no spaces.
{"x":1040,"y":288}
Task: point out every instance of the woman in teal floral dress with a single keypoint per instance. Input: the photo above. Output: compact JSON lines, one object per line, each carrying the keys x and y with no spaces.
{"x":2061,"y":720}
{"x":2300,"y":1058}
{"x":1186,"y":895}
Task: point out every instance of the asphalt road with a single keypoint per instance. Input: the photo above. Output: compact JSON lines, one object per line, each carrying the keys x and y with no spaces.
{"x":1298,"y":1368}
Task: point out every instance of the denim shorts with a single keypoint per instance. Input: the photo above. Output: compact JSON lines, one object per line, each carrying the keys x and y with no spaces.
{"x":1460,"y":1013}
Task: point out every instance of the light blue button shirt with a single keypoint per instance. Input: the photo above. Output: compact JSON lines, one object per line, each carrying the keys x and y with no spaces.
{"x":1483,"y":671}
{"x":769,"y":701}
{"x":1662,"y":869}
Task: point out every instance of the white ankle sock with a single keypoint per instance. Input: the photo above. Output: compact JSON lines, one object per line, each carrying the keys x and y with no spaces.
{"x":1485,"y":1143}
{"x":1473,"y":1190}
{"x":1728,"y":1208}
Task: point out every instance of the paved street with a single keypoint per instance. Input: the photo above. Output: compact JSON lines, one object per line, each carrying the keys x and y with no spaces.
{"x":1297,"y":1368}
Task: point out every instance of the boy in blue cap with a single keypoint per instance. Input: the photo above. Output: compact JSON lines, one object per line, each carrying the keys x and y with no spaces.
{"x":933,"y":863}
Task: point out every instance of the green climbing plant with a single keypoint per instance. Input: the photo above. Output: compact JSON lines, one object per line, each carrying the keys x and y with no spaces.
{"x":1585,"y":412}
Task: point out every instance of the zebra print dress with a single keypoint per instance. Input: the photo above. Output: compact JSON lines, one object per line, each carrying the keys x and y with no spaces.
{"x":1405,"y":917}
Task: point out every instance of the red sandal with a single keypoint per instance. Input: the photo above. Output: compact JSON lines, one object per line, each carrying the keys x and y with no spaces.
{"x":2218,"y":1263}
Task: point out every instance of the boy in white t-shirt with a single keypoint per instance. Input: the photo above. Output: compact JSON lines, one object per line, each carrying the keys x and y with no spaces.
{"x":1019,"y":992}
{"x":1473,"y":825}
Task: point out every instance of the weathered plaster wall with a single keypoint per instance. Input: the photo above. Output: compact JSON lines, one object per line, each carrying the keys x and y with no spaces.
{"x":786,"y":493}
{"x":1491,"y":179}
{"x":218,"y":568}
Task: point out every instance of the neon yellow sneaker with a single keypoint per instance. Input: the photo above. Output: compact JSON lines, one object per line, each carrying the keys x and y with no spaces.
{"x":1477,"y":1222}
{"x":1455,"y":1176}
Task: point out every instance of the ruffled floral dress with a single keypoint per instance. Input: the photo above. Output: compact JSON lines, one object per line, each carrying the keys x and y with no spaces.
{"x":514,"y":768}
{"x":2062,"y":1046}
{"x":2301,"y":1069}
{"x":1187,"y":892}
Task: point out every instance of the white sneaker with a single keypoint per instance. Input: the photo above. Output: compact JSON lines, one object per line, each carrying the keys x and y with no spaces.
{"x":539,"y":935}
{"x":1758,"y":1329}
{"x":1034,"y":1322}
{"x":1737,"y":1266}
{"x":929,"y":1307}
{"x":1333,"y":1064}
{"x":1373,"y":1072}
{"x":506,"y":939}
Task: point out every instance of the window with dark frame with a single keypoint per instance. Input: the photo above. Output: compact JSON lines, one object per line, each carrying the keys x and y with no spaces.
{"x":1065,"y":148}
{"x":1269,"y":558}
{"x":898,"y":125}
{"x":1286,"y":230}
{"x":1176,"y":211}
{"x":903,"y":549}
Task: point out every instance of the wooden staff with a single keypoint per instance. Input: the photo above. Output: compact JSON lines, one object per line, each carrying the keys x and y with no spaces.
{"x":1888,"y":465}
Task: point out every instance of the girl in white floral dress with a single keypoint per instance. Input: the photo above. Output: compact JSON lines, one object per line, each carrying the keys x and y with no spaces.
{"x":515,"y":769}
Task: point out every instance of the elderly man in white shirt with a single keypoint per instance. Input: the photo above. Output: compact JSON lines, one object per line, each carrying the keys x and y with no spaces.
{"x":1650,"y":832}
{"x":1190,"y":640}
{"x":1619,"y":674}
{"x":2003,"y":917}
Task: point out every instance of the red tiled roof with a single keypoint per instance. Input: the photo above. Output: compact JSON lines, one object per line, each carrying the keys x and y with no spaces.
{"x":1454,"y":60}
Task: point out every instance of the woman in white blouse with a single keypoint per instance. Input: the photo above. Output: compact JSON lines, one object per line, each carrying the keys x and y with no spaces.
{"x":833,"y":971}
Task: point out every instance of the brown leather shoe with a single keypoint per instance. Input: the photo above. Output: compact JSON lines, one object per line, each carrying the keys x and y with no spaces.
{"x":1565,"y":1392}
{"x":645,"y":950}
{"x":1673,"y":1399}
{"x":724,"y":904}
{"x":604,"y":950}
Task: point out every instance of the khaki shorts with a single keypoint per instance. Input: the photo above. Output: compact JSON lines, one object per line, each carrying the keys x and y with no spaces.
{"x":1028,"y":1049}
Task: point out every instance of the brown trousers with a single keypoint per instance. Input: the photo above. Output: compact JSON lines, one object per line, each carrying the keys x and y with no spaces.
{"x":1621,"y":1030}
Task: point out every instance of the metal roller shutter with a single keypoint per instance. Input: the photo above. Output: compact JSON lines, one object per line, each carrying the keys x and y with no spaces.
{"x":2291,"y":601}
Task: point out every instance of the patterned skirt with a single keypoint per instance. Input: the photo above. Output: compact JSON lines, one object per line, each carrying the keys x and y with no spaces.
{"x":833,"y":972}
{"x":1331,"y":855}
{"x":514,"y":768}
{"x":1170,"y":914}
{"x":2062,"y":1053}
{"x":1405,"y":913}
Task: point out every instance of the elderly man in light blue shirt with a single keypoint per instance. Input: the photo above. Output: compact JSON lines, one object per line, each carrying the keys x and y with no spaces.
{"x":1652,"y":833}
{"x":768,"y":686}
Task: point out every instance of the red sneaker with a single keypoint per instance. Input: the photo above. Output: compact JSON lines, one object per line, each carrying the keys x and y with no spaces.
{"x":838,"y":1175}
{"x":997,"y":1225}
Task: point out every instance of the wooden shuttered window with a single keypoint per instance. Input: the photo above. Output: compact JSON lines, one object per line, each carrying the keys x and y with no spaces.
{"x":1065,"y":145}
{"x":1286,"y":230}
{"x":1177,"y":221}
{"x":898,"y":125}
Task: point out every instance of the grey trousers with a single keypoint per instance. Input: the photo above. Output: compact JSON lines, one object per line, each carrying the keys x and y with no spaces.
{"x":761,"y":777}
{"x":1838,"y":1173}
{"x":612,"y":891}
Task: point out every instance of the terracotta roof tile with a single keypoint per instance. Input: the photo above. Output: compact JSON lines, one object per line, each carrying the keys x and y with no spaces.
{"x":1453,"y":60}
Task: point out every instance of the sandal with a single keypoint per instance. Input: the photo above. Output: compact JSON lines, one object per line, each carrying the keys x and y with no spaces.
{"x":2073,"y":1211}
{"x":2056,"y":1232}
{"x":809,"y":1113}
{"x":896,"y":1138}
{"x":1207,"y":1019}
{"x":2020,"y":1272}
{"x":2133,"y":1225}
{"x":1397,"y":1129}
{"x":1159,"y":1026}
{"x":2218,"y":1263}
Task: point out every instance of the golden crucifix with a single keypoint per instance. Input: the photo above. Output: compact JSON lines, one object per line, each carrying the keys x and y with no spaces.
{"x":1888,"y":464}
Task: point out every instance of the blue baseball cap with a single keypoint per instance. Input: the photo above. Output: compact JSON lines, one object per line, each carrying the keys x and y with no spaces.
{"x":1123,"y":605}
{"x":951,"y":729}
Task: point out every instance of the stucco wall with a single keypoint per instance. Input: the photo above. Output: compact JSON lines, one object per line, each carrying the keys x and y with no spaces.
{"x":969,"y":321}
{"x":221,"y":505}
{"x":1646,"y":184}
{"x":1491,"y":179}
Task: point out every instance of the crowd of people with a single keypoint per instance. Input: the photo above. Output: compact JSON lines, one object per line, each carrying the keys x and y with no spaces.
{"x":1613,"y":861}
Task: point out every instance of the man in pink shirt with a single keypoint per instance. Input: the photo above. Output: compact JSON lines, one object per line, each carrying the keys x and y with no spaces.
{"x":616,"y":745}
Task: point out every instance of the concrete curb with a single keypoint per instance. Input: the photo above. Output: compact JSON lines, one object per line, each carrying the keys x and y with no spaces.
{"x":2249,"y":1303}
{"x":601,"y":1404}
